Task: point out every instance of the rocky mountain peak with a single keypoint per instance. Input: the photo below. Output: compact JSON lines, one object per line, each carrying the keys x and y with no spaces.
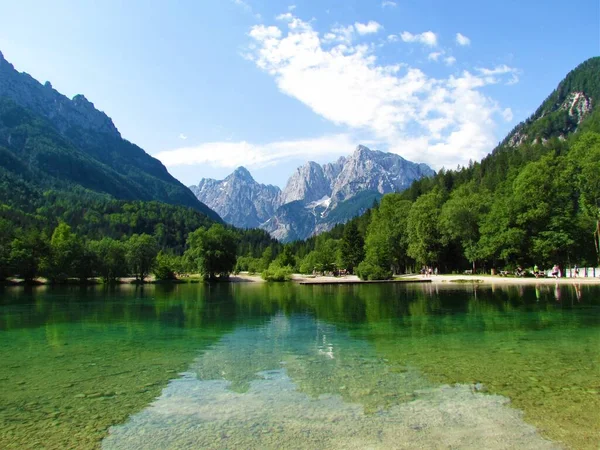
{"x":362,"y":151}
{"x":308,"y":183}
{"x":315,"y":198}
{"x":239,"y":199}
{"x":81,"y":100}
{"x":243,"y":174}
{"x":373,"y":170}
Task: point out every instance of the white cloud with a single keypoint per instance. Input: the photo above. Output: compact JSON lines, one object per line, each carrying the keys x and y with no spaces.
{"x":286,"y":16}
{"x":367,"y":28}
{"x":461,"y":39}
{"x":182,"y":136}
{"x":392,"y":38}
{"x":450,"y":60}
{"x":291,"y":7}
{"x":428,"y":38}
{"x":394,"y":107}
{"x":341,"y":34}
{"x":234,"y":154}
{"x":434,"y":56}
{"x":492,"y":74}
{"x":441,"y":121}
{"x":496,"y":70}
{"x":262,"y":33}
{"x":388,"y":3}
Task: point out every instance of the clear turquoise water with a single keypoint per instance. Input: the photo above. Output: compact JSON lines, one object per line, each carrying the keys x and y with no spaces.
{"x":285,"y":366}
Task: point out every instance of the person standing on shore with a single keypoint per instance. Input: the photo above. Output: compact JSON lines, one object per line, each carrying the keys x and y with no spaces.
{"x":555,"y":271}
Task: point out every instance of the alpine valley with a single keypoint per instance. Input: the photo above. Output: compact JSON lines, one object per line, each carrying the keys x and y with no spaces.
{"x":315,"y":198}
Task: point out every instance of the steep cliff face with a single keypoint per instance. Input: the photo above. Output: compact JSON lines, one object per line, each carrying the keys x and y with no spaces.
{"x":239,"y":199}
{"x":308,"y":184}
{"x":315,"y":198}
{"x":53,"y":142}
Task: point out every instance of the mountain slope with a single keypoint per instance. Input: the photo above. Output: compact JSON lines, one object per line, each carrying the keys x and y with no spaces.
{"x":52,"y":142}
{"x":316,"y":197}
{"x":564,"y":110}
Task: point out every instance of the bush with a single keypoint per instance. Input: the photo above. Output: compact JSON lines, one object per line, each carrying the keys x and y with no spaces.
{"x":249,"y":264}
{"x":369,"y":271}
{"x":309,"y":263}
{"x":275,"y":272}
{"x":165,"y":266}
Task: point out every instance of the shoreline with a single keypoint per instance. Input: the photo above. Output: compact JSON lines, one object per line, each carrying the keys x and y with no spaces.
{"x":305,"y":280}
{"x":447,"y":280}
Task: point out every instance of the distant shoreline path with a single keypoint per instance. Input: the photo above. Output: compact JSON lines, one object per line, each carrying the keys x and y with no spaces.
{"x":443,"y":279}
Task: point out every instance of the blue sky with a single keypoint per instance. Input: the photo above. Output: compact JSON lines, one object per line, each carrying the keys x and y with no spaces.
{"x":210,"y":85}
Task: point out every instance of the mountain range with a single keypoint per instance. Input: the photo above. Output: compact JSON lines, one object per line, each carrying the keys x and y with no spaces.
{"x":315,"y":198}
{"x":51,"y":142}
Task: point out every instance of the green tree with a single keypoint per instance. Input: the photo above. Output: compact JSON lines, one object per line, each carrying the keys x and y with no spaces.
{"x":501,"y":239}
{"x":352,"y":247}
{"x":461,"y":216}
{"x":5,"y":240}
{"x":212,"y":252}
{"x":377,"y":263}
{"x":110,"y":257}
{"x":585,"y":156}
{"x":140,"y":251}
{"x":85,"y":263}
{"x":542,"y":198}
{"x":326,"y":253}
{"x":393,"y":223}
{"x":65,"y":251}
{"x":277,"y":272}
{"x":165,"y":266}
{"x":28,"y":249}
{"x":424,"y":238}
{"x":286,"y":258}
{"x":309,"y":263}
{"x":266,"y":258}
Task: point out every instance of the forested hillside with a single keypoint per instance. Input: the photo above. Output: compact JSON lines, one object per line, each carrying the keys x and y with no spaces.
{"x":77,"y":200}
{"x":48,"y":141}
{"x":535,"y":200}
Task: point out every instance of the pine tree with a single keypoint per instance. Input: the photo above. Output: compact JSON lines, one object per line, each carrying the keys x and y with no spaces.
{"x":352,"y":247}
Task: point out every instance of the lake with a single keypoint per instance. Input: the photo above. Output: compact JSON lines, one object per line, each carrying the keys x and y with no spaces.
{"x":253,"y":365}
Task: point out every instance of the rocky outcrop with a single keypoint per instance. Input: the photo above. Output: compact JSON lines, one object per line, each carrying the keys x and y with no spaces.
{"x":315,"y":198}
{"x":577,"y":105}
